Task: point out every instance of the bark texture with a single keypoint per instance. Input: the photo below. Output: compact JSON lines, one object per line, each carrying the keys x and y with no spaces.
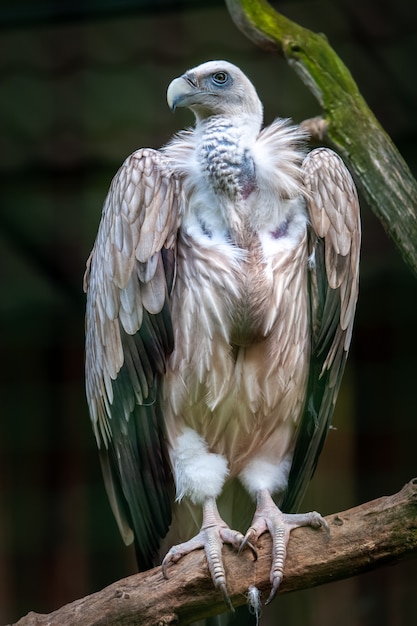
{"x":379,"y":532}
{"x":348,"y":125}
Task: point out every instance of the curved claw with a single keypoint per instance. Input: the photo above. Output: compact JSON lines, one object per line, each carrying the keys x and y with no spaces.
{"x":275,"y":584}
{"x":247,"y":543}
{"x":226,"y":598}
{"x":177,"y":552}
{"x":317,"y":521}
{"x":166,"y":561}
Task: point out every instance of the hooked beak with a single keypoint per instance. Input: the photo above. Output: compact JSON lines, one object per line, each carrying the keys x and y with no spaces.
{"x":181,"y":92}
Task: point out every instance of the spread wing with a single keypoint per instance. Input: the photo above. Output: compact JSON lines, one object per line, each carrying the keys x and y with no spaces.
{"x":335,"y":234}
{"x":129,"y":277}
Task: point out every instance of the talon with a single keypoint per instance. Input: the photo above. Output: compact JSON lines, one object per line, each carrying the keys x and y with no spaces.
{"x":245,"y":543}
{"x":321,"y":522}
{"x":177,"y":552}
{"x":222,"y":587}
{"x":250,"y":534}
{"x":275,"y":584}
{"x":164,"y":566}
{"x":252,"y":549}
{"x":169,"y":558}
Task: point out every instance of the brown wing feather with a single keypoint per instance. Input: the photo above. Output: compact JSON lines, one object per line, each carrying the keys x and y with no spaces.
{"x":333,"y":194}
{"x":128,"y":281}
{"x":334,"y":279}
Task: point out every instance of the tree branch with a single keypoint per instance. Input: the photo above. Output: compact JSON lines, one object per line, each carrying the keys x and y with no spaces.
{"x":363,"y":538}
{"x":349,"y":125}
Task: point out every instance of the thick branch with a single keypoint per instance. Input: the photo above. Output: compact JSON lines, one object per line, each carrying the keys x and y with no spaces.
{"x":350,"y":125}
{"x":381,"y":531}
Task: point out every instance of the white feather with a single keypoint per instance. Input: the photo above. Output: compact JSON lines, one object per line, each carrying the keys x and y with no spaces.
{"x":254,"y":602}
{"x":261,"y":473}
{"x":198,"y":473}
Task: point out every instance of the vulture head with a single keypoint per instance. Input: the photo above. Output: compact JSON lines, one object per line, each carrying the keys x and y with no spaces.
{"x":215,"y":88}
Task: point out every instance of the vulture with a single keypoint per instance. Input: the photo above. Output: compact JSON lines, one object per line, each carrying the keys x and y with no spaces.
{"x":221,"y":292}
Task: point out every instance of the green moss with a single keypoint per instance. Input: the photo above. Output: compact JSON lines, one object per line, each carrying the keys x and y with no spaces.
{"x":352,"y":129}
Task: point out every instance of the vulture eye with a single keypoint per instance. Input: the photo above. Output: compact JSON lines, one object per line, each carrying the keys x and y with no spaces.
{"x":220,"y":78}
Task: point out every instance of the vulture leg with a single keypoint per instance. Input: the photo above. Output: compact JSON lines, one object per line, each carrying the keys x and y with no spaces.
{"x":269,"y":518}
{"x":214,"y":533}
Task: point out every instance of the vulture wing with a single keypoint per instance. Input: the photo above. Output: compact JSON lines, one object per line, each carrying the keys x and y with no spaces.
{"x":335,"y":234}
{"x":129,"y":278}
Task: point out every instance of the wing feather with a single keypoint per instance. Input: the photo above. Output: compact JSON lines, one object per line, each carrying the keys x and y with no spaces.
{"x":334,"y":278}
{"x":129,"y":335}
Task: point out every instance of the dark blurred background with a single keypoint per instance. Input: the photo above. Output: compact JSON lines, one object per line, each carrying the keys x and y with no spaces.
{"x":82,"y":84}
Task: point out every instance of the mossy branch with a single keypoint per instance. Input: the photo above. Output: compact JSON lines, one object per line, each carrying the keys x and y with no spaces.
{"x":348,"y":124}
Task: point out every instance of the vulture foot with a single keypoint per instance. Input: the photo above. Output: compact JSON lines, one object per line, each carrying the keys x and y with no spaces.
{"x":214,"y":533}
{"x":268,"y":518}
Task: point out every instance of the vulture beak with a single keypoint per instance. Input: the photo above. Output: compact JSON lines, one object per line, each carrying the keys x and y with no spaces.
{"x":182,"y":91}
